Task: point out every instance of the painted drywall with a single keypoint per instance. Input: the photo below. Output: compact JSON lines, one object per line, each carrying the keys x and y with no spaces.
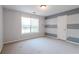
{"x":55,"y":27}
{"x":12,"y":26}
{"x":70,"y":12}
{"x":1,"y":29}
{"x":73,"y":30}
{"x":51,"y":27}
{"x":72,"y":24}
{"x":62,"y":27}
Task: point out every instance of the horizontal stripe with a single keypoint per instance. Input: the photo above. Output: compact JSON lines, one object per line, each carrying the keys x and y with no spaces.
{"x":69,"y":26}
{"x":73,"y":39}
{"x":51,"y":26}
{"x":49,"y":34}
{"x":70,"y":12}
{"x":73,"y":26}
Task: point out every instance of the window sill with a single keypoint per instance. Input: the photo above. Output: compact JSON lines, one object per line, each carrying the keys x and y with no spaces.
{"x":30,"y":33}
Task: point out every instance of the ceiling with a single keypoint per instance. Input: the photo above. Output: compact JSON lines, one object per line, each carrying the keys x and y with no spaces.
{"x":50,"y":10}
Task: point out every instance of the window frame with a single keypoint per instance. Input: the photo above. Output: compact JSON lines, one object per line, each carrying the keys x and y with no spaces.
{"x":30,"y":25}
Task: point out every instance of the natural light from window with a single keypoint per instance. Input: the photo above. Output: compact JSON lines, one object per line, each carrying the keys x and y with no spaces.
{"x":30,"y":25}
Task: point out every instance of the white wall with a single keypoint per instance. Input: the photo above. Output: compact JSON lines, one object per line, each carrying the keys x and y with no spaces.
{"x":52,"y":21}
{"x":73,"y":19}
{"x":1,"y":29}
{"x":12,"y":26}
{"x":51,"y":30}
{"x":62,"y":27}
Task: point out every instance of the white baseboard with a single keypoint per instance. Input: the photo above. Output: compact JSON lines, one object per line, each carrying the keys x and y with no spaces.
{"x":13,"y":41}
{"x":1,"y":49}
{"x":72,"y":42}
{"x":64,"y":40}
{"x":22,"y":39}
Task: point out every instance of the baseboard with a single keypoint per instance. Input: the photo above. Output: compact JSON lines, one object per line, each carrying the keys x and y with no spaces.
{"x":65,"y":40}
{"x":72,"y":42}
{"x":21,"y":40}
{"x":13,"y":41}
{"x":1,"y":49}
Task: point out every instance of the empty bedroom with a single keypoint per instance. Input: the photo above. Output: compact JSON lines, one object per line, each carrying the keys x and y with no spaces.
{"x":39,"y":29}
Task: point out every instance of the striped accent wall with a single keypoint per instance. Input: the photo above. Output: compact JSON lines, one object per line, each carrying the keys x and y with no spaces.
{"x":51,"y":27}
{"x":49,"y":34}
{"x":72,"y":24}
{"x":73,"y":28}
{"x":73,"y":39}
{"x":70,"y":12}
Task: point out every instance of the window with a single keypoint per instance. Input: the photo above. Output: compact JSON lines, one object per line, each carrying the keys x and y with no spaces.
{"x":30,"y":25}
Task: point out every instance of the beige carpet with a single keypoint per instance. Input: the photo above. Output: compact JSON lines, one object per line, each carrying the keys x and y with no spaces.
{"x":41,"y":45}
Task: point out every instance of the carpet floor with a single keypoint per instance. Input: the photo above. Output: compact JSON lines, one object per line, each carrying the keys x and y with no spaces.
{"x":42,"y":45}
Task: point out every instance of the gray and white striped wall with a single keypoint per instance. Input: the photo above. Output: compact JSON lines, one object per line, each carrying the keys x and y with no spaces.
{"x":72,"y":25}
{"x":73,"y":28}
{"x":51,"y":27}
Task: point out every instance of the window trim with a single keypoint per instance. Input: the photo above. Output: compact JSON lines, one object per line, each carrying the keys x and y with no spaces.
{"x":30,"y":26}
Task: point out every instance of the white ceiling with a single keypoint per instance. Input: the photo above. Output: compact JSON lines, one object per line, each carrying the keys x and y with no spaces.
{"x":51,"y":9}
